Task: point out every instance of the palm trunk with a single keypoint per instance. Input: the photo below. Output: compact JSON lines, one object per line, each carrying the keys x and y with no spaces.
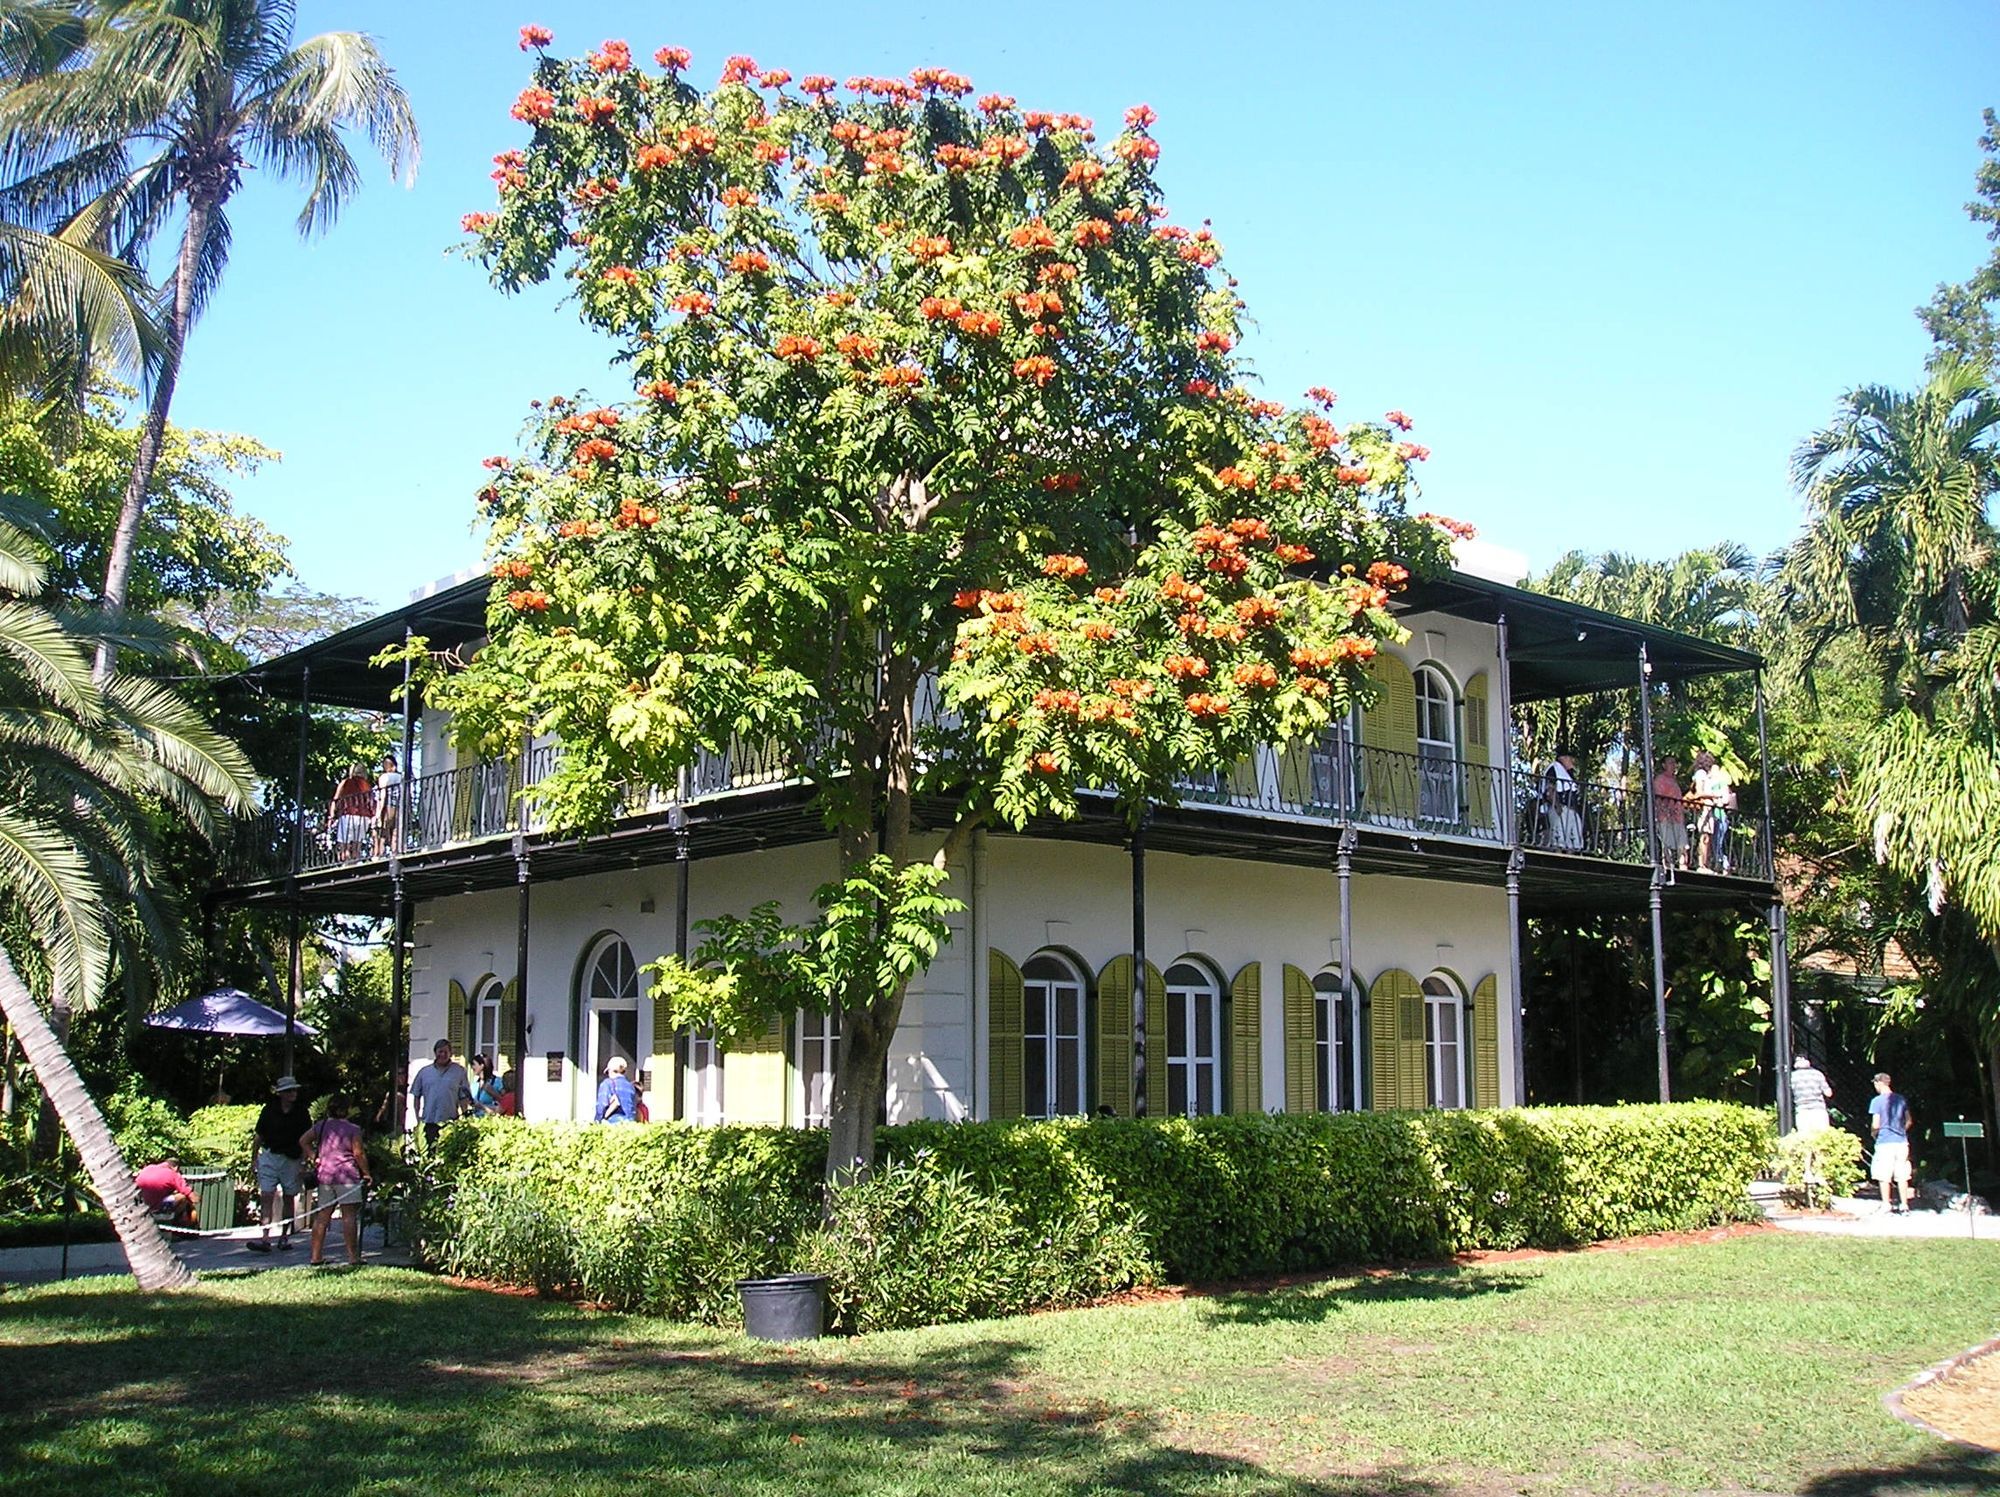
{"x":152,"y":1261}
{"x":152,"y":436}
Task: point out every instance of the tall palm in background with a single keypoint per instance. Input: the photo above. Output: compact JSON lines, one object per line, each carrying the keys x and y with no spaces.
{"x":152,"y":110}
{"x":67,"y":311}
{"x":90,"y":767}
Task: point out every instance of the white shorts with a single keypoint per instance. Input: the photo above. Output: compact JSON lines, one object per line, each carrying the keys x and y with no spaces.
{"x":337,"y":1193}
{"x":1891,"y":1162}
{"x":276,"y":1172}
{"x":353,"y":828}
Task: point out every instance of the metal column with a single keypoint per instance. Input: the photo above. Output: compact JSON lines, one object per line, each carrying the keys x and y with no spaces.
{"x":1139,"y":965}
{"x":1344,"y":871}
{"x":681,"y":881}
{"x":1659,"y":878}
{"x":295,"y":955}
{"x":1515,"y":862}
{"x":521,"y":935}
{"x":1781,"y":973}
{"x":399,"y":919}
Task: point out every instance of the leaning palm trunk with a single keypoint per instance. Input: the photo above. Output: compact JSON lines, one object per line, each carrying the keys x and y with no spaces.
{"x":153,"y":1262}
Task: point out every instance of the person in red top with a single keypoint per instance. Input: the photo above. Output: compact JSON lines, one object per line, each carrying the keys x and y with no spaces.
{"x":165,"y":1190}
{"x":350,"y":815}
{"x":1670,"y":813}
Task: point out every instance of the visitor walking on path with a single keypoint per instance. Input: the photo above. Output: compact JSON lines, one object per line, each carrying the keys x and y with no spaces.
{"x":1889,"y":1121}
{"x":440,"y":1091}
{"x":334,"y":1146}
{"x":1811,"y":1091}
{"x":280,"y":1161}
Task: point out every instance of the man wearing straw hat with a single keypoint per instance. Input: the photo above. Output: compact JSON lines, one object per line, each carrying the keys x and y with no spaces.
{"x":280,"y":1158}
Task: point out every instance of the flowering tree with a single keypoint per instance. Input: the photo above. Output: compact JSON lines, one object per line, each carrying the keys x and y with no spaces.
{"x":924,"y":391}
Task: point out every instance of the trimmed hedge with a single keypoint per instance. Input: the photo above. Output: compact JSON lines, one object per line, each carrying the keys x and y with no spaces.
{"x":665,"y":1217}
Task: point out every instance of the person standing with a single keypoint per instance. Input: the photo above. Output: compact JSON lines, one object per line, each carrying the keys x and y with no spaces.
{"x":617,"y":1097}
{"x":1712,"y":797}
{"x":351,"y":813}
{"x":440,"y":1091}
{"x":1670,"y":813}
{"x":388,"y":805}
{"x":1562,"y":804}
{"x":485,"y":1087}
{"x":334,"y":1145}
{"x":280,"y":1159}
{"x":1889,"y":1121}
{"x":1811,"y":1091}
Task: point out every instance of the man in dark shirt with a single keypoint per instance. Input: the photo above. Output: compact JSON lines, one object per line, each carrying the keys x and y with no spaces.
{"x":280,"y":1157}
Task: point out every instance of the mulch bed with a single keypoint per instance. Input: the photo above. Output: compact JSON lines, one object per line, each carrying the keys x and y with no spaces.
{"x":1957,"y":1400}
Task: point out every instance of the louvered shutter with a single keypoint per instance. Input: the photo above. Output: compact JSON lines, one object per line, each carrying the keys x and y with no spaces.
{"x":1478,"y":751}
{"x":1246,"y":1039}
{"x":1301,"y":1033}
{"x":455,"y":1016}
{"x":757,"y":1078}
{"x":1486,"y":1042}
{"x":1410,"y":1047}
{"x":1114,"y":1036}
{"x":510,"y":1002}
{"x":1389,"y":733}
{"x":1003,"y":1034}
{"x":1156,"y":1042}
{"x":1384,"y":1017}
{"x":665,"y":1064}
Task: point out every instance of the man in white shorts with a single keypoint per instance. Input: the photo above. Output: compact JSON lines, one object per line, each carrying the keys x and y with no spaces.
{"x":1889,"y":1120}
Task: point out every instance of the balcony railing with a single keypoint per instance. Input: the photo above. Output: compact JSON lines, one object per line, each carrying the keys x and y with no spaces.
{"x":1335,"y":780}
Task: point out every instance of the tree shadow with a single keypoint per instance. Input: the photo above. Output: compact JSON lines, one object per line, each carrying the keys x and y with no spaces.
{"x":1309,"y":1303}
{"x":1949,"y":1471}
{"x":407,"y":1386}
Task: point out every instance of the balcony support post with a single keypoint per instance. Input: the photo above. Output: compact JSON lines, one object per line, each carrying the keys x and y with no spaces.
{"x":408,"y":764}
{"x":678,"y":818}
{"x":1139,"y":964}
{"x":295,"y":963}
{"x":1781,"y":1009}
{"x":1659,"y":874}
{"x":522,"y":884}
{"x":1515,"y":858}
{"x":399,"y":955}
{"x":1344,"y":871}
{"x":1768,"y":847}
{"x":1509,"y":790}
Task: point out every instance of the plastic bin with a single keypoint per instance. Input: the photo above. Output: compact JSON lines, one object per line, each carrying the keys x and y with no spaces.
{"x":790,"y":1307}
{"x":214,"y":1199}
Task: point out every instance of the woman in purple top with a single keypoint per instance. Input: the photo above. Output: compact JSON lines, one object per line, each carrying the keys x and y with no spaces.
{"x":335,"y":1145}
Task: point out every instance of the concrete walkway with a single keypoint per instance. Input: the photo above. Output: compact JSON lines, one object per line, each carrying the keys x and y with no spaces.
{"x":230,"y":1253}
{"x":1869,"y":1218}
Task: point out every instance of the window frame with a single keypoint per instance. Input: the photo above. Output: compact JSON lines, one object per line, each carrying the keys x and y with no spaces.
{"x":1444,"y":1042}
{"x":822,"y":1031}
{"x":619,"y":992}
{"x":1069,"y":976}
{"x":1333,"y":1039}
{"x":487,"y":998}
{"x":1189,"y":1066}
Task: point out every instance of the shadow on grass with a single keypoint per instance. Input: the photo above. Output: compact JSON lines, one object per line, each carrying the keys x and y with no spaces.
{"x":1309,"y":1303}
{"x":390,"y":1381}
{"x":1950,"y":1471}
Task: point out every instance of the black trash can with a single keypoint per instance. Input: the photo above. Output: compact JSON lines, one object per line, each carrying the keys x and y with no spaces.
{"x":789,"y":1307}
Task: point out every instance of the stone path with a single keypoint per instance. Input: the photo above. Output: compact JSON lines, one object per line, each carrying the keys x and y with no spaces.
{"x":230,"y":1253}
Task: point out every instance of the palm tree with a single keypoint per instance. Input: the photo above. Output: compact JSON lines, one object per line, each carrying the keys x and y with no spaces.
{"x":154,"y":109}
{"x":1897,"y":533}
{"x":88,"y":767}
{"x":67,"y":308}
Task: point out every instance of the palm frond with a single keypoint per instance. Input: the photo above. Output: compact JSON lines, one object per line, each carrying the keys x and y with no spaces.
{"x":61,"y":901}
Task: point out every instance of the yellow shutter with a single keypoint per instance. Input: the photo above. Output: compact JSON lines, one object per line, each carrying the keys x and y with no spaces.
{"x":1156,"y":1042}
{"x":757,"y":1079}
{"x":1301,"y":1034}
{"x":1486,"y":1042}
{"x":1114,"y":1036}
{"x":454,"y":1018}
{"x":1410,"y":1048}
{"x":1004,"y":1022}
{"x":1382,"y":1025}
{"x":510,"y":1002}
{"x":1246,"y":1040}
{"x":1389,"y":733}
{"x":664,"y":1063}
{"x":1478,"y":750}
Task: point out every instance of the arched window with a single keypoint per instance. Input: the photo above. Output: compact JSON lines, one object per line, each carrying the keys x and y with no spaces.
{"x":818,"y":1055}
{"x":1051,"y":1038}
{"x":1444,"y":1042}
{"x":610,"y":1007}
{"x":702,"y":1079}
{"x":1332,"y":1017}
{"x":486,"y":1000}
{"x":1194,"y":1040}
{"x":1437,"y":746}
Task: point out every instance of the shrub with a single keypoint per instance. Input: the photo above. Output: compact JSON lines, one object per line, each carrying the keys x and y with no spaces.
{"x":218,"y":1138}
{"x":147,"y":1129}
{"x":974,"y":1219}
{"x":1815,"y":1167}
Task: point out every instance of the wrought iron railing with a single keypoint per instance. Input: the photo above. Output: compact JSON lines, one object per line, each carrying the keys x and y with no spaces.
{"x":1333,"y":780}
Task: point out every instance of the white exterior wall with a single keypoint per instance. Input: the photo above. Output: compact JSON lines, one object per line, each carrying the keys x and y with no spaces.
{"x":1461,"y":648}
{"x":1022,"y":894}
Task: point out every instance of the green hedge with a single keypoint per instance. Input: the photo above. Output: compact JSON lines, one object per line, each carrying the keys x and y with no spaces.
{"x":24,"y":1229}
{"x":218,"y":1138}
{"x":995,"y":1218}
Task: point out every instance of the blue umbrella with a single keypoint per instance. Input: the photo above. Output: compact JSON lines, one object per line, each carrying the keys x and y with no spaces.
{"x":226,"y":1011}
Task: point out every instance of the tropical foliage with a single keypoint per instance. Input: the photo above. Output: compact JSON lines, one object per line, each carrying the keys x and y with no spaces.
{"x":939,"y":473}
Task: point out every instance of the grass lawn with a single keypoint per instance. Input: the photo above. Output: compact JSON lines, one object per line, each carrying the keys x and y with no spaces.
{"x":1754,"y":1364}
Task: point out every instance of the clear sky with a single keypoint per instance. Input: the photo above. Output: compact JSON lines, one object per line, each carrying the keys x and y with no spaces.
{"x":1614,"y":260}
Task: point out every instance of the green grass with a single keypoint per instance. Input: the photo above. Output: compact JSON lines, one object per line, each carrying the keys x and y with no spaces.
{"x":1755,"y":1364}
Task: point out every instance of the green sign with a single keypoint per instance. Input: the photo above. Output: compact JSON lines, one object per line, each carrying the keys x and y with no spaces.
{"x":1965,"y":1130}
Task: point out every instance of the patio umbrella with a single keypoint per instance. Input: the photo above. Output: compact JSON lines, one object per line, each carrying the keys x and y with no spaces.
{"x":227,"y":1011}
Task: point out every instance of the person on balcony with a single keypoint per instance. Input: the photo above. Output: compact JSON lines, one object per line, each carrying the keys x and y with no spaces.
{"x":1562,"y":804}
{"x":1712,"y":797}
{"x":1670,"y":813}
{"x":351,"y":813}
{"x":388,"y":803}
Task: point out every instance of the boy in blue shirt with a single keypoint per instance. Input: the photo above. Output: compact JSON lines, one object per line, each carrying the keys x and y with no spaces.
{"x":1889,"y":1119}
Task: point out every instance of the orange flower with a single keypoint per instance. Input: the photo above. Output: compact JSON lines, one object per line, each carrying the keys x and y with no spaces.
{"x":1220,"y":342}
{"x":1139,"y":691}
{"x":1388,"y":574}
{"x":1398,"y":420}
{"x":750,"y":262}
{"x":1184,"y":667}
{"x":520,"y":571}
{"x":1286,"y":483}
{"x":839,"y":298}
{"x":1139,"y":116}
{"x":995,"y":103}
{"x":536,"y":36}
{"x":899,"y":377}
{"x":1292,"y":554}
{"x":1005,"y":150}
{"x":936,"y":308}
{"x":1050,"y":700}
{"x":1133,"y":148}
{"x":770,"y":153}
{"x":958,"y":158}
{"x":972,"y":597}
{"x":828,"y":202}
{"x":594,"y":109}
{"x":1250,"y":528}
{"x":1352,"y":473}
{"x":1109,"y":595}
{"x":1062,"y":483}
{"x":1062,"y":565}
{"x":1001,"y":602}
{"x":1033,"y":235}
{"x":1178,"y":589}
{"x":882,"y":164}
{"x":737,"y":197}
{"x":673,"y":59}
{"x":653,"y":158}
{"x":930,"y":247}
{"x":1039,"y":368}
{"x":798,"y":350}
{"x":1313,"y":686}
{"x":1235,"y":478}
{"x":1229,"y":564}
{"x":1201,"y":704}
{"x":1256,"y":673}
{"x":980,"y":324}
{"x":817,"y":84}
{"x":596,"y":450}
{"x":528,"y":601}
{"x":612,"y":57}
{"x":775,"y":78}
{"x":1061,"y":270}
{"x":1047,"y":764}
{"x":1092,"y":231}
{"x":621,"y":275}
{"x":1259,"y":612}
{"x":694,"y":303}
{"x":857,"y":349}
{"x":661,"y":391}
{"x":478,"y":223}
{"x":535,"y":106}
{"x":696,"y":140}
{"x":1097,"y":629}
{"x":1036,"y":644}
{"x":1192,"y":623}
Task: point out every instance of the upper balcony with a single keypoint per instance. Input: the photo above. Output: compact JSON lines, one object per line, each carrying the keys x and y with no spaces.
{"x":1451,"y":808}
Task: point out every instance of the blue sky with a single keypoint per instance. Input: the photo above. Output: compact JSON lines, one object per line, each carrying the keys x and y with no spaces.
{"x":1615,"y":260}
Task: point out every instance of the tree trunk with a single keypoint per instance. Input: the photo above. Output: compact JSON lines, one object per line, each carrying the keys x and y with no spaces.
{"x":860,"y":1086}
{"x":153,"y":1262}
{"x":152,"y":436}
